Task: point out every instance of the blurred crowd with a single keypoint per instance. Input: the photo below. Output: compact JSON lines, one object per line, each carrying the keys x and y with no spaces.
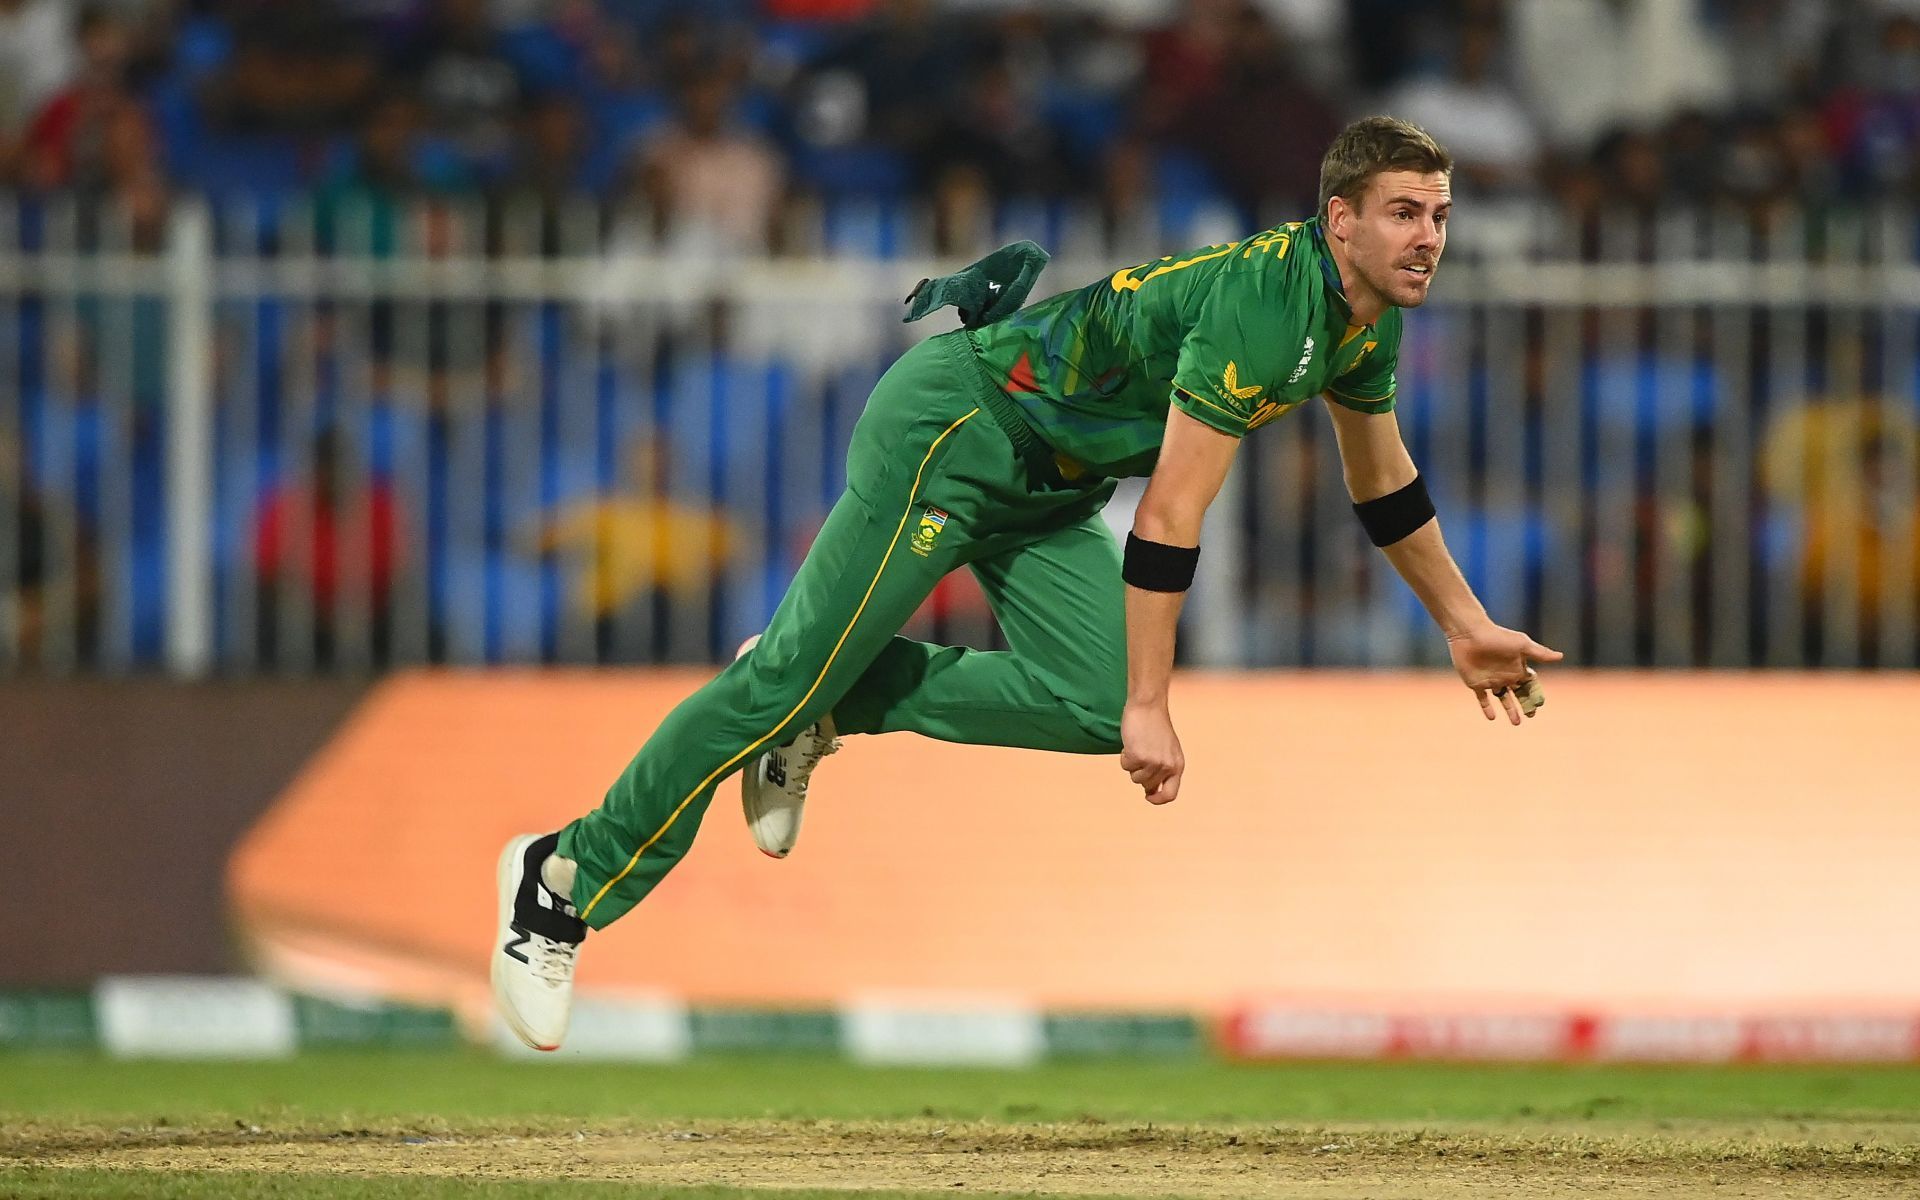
{"x":722,"y":112}
{"x":726,"y":120}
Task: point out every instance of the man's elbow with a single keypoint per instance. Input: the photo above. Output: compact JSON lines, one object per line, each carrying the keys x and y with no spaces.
{"x":1176,"y":524}
{"x":1375,"y":482}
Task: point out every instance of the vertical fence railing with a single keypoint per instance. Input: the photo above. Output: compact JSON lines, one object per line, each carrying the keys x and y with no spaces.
{"x":292,"y":436}
{"x":189,"y":441}
{"x":22,"y":536}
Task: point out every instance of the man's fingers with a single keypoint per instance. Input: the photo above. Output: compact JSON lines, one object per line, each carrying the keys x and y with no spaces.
{"x":1160,"y":781}
{"x":1511,"y":703}
{"x":1541,"y":653}
{"x":1168,"y":790}
{"x":1486,"y":702}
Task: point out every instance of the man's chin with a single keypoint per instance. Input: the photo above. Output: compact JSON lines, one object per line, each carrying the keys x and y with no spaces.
{"x":1410,"y":297}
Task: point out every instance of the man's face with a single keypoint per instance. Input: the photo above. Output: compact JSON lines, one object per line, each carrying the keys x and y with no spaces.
{"x":1394,"y":236}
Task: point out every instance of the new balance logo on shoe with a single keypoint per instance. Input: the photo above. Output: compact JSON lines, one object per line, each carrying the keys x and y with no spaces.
{"x":513,"y":947}
{"x":776,"y":773}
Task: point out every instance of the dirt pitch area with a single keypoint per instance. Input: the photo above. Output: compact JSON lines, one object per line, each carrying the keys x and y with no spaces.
{"x":1091,"y":1158}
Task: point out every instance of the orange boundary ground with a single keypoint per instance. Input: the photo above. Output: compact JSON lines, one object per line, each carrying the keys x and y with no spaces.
{"x":1673,"y":842}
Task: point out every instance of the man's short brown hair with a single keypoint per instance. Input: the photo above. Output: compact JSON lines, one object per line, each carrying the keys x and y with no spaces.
{"x":1372,"y":145}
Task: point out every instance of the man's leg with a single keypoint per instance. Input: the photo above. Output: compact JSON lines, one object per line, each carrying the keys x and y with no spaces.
{"x":1060,"y":602}
{"x":919,"y":444}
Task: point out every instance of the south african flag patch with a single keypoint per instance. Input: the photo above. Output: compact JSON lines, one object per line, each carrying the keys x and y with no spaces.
{"x":932,"y":521}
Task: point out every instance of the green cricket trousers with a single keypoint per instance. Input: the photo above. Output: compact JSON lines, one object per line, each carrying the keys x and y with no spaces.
{"x":942,"y":472}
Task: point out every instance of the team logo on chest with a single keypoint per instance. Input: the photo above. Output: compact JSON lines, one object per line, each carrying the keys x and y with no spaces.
{"x":932,"y":521}
{"x":1306,"y":359}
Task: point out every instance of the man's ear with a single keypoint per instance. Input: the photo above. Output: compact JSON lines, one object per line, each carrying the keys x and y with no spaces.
{"x":1340,"y":216}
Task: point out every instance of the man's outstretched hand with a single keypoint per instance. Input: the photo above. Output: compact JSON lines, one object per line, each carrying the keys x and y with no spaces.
{"x":1493,"y":661}
{"x":1150,"y":751}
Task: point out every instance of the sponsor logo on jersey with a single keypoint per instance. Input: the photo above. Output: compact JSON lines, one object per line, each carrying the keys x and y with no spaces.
{"x":932,"y":521}
{"x":1306,"y":357}
{"x":1230,"y":383}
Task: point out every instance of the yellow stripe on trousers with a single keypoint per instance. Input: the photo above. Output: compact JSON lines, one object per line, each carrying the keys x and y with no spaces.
{"x":724,"y":767}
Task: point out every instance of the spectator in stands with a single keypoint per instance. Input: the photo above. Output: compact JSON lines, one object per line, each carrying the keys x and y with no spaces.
{"x":362,"y":205}
{"x":296,"y":70}
{"x":328,"y":547}
{"x":910,"y":63}
{"x":1184,"y":60}
{"x":23,"y":589}
{"x":962,"y":203}
{"x":79,"y":465}
{"x":687,"y":47}
{"x":1126,"y":198}
{"x":1476,"y":115}
{"x":1257,"y":79}
{"x":613,"y":71}
{"x":1633,"y":176}
{"x":1807,"y":158}
{"x":1690,"y":149}
{"x":999,"y":132}
{"x":93,"y":135}
{"x":640,"y":546}
{"x":1589,"y":66}
{"x":550,"y":162}
{"x":1847,"y":467}
{"x":1753,"y":171}
{"x":36,"y":57}
{"x":1874,"y":120}
{"x":1778,"y":45}
{"x":1388,"y":38}
{"x":469,"y":88}
{"x":818,"y":10}
{"x":708,"y":177}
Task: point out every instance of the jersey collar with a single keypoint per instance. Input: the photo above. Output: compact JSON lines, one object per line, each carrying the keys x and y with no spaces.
{"x":1329,"y":270}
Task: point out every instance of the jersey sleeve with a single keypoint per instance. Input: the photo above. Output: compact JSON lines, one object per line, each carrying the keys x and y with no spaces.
{"x":1229,"y":361}
{"x":1369,"y":386}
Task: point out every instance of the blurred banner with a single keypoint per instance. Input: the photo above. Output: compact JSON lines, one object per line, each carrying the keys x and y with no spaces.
{"x":1674,"y":845}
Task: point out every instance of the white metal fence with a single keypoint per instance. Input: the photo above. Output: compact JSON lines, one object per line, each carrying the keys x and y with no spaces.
{"x":291,"y":436}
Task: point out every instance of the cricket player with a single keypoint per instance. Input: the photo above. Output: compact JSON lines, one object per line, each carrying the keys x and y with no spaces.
{"x":994,"y":447}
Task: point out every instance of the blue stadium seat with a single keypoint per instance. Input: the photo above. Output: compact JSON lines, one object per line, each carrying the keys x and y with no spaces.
{"x":202,"y":45}
{"x":863,"y":169}
{"x":1185,"y":184}
{"x":545,"y":61}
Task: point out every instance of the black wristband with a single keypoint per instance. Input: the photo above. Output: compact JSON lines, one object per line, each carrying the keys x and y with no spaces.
{"x":1396,"y":514}
{"x":1158,"y":567}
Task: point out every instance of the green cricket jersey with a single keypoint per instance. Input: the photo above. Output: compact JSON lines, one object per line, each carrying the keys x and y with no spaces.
{"x":1233,"y":334}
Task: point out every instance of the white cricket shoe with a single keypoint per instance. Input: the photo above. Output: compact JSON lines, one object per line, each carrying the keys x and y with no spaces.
{"x":773,"y":785}
{"x":535,"y":946}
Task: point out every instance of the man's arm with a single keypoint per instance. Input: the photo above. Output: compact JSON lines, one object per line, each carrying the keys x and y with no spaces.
{"x":1194,"y":459}
{"x":1491,"y":660}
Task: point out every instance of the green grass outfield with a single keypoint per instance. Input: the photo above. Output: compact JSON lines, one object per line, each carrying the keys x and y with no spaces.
{"x":84,"y":1125}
